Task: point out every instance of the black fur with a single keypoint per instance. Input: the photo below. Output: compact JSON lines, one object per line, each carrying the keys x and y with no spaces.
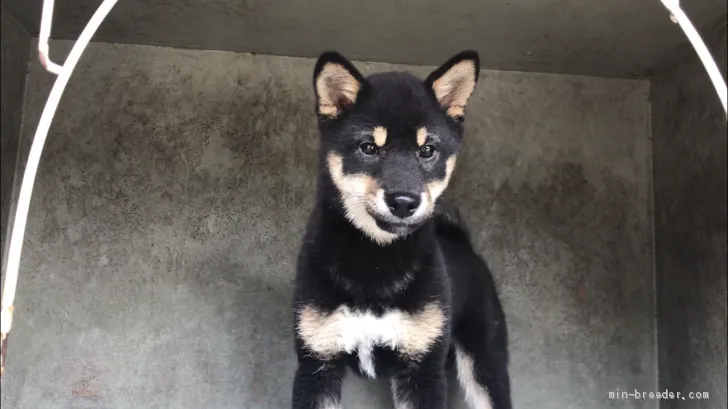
{"x":341,"y":265}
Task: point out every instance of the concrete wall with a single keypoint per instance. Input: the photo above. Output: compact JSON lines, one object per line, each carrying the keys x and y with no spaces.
{"x":15,"y":44}
{"x":689,"y":132}
{"x":619,"y":38}
{"x":172,"y":196}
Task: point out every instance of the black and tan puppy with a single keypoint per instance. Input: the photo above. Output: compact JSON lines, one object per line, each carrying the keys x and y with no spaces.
{"x":388,"y":282}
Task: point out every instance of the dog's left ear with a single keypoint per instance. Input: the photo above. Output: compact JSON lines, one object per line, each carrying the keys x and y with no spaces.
{"x":337,"y":84}
{"x":454,"y":82}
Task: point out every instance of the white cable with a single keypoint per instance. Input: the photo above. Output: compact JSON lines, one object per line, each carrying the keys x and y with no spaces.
{"x":26,"y":188}
{"x":46,"y":20}
{"x":679,"y":17}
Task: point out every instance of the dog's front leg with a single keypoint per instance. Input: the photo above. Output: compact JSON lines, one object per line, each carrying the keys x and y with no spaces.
{"x":317,"y":384}
{"x":420,"y":389}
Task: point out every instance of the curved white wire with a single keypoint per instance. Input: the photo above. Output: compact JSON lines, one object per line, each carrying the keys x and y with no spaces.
{"x":26,"y":188}
{"x":46,"y":20}
{"x":711,"y":67}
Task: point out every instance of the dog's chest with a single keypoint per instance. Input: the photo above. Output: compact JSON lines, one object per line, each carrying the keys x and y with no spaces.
{"x":363,"y":332}
{"x":346,"y":331}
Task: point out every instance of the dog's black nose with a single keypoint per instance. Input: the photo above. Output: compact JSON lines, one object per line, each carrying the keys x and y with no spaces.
{"x":402,"y":204}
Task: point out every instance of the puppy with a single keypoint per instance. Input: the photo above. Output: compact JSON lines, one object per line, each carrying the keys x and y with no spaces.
{"x":388,"y":283}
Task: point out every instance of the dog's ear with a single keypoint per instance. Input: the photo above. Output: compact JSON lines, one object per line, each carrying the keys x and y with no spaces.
{"x":337,"y":84}
{"x":454,"y":82}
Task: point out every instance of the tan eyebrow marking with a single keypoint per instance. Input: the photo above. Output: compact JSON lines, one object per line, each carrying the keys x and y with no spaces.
{"x":421,"y":136}
{"x":380,"y":135}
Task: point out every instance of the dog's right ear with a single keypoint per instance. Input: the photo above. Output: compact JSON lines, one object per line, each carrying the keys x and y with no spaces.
{"x":337,"y":84}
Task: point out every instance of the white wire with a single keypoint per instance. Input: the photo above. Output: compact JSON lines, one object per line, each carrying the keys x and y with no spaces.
{"x":711,"y":67}
{"x":26,"y":188}
{"x":45,"y":32}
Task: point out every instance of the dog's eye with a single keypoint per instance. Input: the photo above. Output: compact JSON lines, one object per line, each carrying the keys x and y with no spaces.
{"x":427,"y":151}
{"x":368,"y":148}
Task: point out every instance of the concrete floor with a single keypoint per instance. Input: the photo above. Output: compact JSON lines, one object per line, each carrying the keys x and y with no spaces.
{"x":172,"y":195}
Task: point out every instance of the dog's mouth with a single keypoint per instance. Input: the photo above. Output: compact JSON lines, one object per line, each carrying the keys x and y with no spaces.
{"x":400,"y":227}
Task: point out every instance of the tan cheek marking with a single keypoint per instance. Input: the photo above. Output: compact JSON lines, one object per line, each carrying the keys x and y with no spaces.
{"x":380,"y":135}
{"x":437,"y":187}
{"x":355,"y":191}
{"x":372,"y":186}
{"x":349,"y":184}
{"x":336,"y":167}
{"x":421,"y":136}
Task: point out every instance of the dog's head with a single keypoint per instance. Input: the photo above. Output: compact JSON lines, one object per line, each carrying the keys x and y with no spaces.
{"x":390,"y":141}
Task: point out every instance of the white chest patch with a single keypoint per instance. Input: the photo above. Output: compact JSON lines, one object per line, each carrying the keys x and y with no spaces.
{"x":347,"y":331}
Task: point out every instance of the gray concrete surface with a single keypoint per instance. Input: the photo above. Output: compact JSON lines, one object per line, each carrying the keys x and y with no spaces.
{"x":172,"y":196}
{"x":15,"y":43}
{"x":689,"y":129}
{"x":605,"y":38}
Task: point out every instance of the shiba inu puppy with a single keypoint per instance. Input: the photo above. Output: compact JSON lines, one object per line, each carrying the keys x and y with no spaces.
{"x":388,"y":283}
